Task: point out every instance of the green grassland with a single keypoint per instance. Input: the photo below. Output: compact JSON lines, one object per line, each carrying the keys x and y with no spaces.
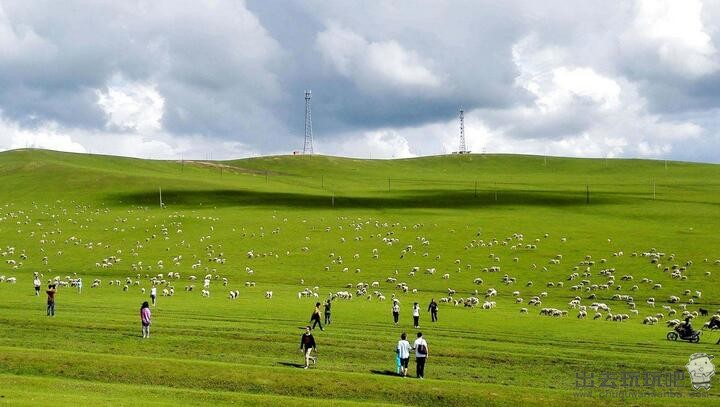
{"x":308,"y":218}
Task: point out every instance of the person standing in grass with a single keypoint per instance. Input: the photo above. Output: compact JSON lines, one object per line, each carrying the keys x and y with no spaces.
{"x":403,"y":352}
{"x":421,"y":353}
{"x":145,"y":315}
{"x":315,"y":317}
{"x":433,"y":308}
{"x":79,"y":285}
{"x":416,"y":315}
{"x":396,"y":311}
{"x":51,"y":291}
{"x":37,"y":284}
{"x":153,"y":295}
{"x":327,"y":311}
{"x":307,"y":345}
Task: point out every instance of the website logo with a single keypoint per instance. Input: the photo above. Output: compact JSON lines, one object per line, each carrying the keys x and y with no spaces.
{"x":701,"y":370}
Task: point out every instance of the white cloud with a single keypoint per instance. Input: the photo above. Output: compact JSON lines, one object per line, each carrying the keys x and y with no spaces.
{"x":555,"y":87}
{"x":374,"y":65}
{"x":48,"y":136}
{"x":129,"y":143}
{"x":385,"y":143}
{"x":676,"y":32}
{"x":132,"y":106}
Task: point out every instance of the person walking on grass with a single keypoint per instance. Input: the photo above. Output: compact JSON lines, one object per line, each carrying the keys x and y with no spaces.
{"x":307,"y":345}
{"x":396,"y":311}
{"x":145,"y":315}
{"x":79,"y":285}
{"x":433,"y":309}
{"x":421,"y":353}
{"x":403,"y":352}
{"x":51,"y":291}
{"x":416,"y":315}
{"x":153,"y":295}
{"x":37,"y":284}
{"x":327,"y":312}
{"x":315,"y":317}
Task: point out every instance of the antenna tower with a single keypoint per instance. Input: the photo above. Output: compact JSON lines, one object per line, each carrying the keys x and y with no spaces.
{"x":308,"y":146}
{"x":463,"y":149}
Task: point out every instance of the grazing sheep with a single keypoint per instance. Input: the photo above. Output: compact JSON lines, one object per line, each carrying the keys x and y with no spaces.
{"x":650,"y":320}
{"x":673,"y":323}
{"x":268,"y":294}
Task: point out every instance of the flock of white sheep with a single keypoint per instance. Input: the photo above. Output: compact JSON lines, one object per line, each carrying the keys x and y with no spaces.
{"x":184,"y":249}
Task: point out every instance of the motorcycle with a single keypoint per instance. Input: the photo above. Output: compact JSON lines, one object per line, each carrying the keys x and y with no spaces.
{"x":693,"y":336}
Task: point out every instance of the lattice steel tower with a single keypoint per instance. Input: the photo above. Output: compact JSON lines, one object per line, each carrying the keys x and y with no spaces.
{"x":462,"y":149}
{"x":308,"y":146}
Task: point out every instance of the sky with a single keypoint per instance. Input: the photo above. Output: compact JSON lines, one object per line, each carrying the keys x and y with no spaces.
{"x":172,"y":79}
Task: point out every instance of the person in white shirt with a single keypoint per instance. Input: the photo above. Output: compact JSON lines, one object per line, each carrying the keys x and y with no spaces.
{"x":416,"y":315}
{"x":421,"y":353}
{"x":403,"y":351}
{"x":79,"y":285}
{"x":153,"y":295}
{"x":37,"y":285}
{"x":396,"y":311}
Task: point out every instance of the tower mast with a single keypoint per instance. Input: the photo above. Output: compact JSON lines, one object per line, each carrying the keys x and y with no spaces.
{"x":308,"y":146}
{"x":463,"y":148}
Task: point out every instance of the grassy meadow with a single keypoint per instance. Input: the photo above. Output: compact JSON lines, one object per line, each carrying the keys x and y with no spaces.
{"x":325,"y":222}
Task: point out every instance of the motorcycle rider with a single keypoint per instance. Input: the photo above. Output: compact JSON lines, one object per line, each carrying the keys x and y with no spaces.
{"x":687,"y":328}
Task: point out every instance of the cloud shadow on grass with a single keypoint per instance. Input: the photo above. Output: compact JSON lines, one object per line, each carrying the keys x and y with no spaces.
{"x":399,"y":199}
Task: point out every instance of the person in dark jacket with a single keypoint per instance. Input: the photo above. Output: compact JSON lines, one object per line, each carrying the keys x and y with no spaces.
{"x":433,"y":309}
{"x":327,"y":311}
{"x":315,"y":317}
{"x":307,"y":344}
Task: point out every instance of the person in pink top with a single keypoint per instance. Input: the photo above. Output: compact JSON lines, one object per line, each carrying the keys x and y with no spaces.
{"x":145,"y":319}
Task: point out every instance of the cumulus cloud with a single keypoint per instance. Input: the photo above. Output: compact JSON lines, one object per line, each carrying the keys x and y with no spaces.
{"x":176,"y":78}
{"x":374,"y":66}
{"x":675,"y":32}
{"x":49,"y":136}
{"x":132,"y":106}
{"x":381,"y":144}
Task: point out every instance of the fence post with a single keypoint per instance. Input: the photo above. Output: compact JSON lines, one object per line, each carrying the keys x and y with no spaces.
{"x":587,"y":193}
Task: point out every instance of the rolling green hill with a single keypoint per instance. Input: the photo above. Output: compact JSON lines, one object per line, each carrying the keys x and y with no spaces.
{"x":527,"y":226}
